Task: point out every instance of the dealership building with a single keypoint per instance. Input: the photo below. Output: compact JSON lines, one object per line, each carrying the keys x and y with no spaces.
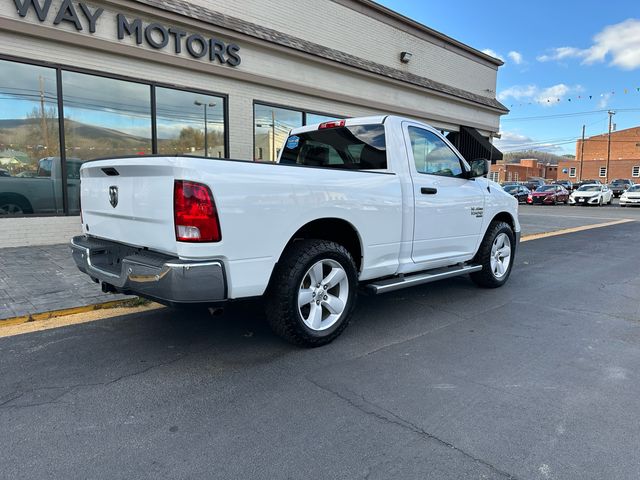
{"x":81,"y":80}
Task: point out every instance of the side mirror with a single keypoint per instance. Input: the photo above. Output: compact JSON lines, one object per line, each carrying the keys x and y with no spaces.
{"x":479,"y":168}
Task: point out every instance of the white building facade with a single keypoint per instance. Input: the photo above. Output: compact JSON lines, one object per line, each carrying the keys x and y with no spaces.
{"x":92,"y":79}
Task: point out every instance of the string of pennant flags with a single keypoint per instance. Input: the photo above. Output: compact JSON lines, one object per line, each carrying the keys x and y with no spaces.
{"x":574,"y":98}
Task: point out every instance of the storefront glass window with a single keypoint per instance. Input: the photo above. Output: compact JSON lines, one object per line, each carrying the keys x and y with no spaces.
{"x":103,"y":117}
{"x":190,"y":123}
{"x":30,"y":180}
{"x":272,"y":126}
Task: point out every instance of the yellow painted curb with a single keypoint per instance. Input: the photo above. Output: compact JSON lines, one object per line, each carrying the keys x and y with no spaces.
{"x":61,"y":313}
{"x":537,"y":236}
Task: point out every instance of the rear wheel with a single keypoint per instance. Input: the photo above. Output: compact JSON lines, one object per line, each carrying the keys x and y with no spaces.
{"x":11,"y":204}
{"x":496,"y":254}
{"x":312,"y":293}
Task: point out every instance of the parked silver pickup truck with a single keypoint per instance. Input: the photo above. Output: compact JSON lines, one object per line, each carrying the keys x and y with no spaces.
{"x":40,"y":192}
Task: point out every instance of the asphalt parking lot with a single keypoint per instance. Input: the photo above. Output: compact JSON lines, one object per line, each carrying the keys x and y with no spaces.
{"x":537,"y":380}
{"x":546,"y":218}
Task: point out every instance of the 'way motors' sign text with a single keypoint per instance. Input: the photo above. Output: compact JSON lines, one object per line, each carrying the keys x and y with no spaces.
{"x":153,"y":34}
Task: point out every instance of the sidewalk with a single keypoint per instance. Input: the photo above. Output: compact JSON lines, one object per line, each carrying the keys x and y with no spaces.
{"x":43,"y":279}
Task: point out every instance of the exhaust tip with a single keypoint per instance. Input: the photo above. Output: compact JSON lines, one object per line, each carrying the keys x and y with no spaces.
{"x":108,"y":288}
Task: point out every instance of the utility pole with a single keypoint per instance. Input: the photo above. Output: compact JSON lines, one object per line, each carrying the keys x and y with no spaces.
{"x":273,"y":134}
{"x":206,"y":133}
{"x":43,"y":117}
{"x":582,"y":154}
{"x":611,"y":114}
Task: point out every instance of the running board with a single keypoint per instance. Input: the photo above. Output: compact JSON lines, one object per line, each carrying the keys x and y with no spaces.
{"x":398,"y":283}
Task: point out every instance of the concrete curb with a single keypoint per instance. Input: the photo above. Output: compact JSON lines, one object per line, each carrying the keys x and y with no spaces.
{"x":35,"y":317}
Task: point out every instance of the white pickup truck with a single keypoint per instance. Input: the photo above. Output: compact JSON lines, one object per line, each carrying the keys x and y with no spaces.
{"x":380,"y":203}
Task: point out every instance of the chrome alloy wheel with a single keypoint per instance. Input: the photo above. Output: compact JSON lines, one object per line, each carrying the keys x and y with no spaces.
{"x":500,"y":255}
{"x":323,"y":295}
{"x":10,"y":209}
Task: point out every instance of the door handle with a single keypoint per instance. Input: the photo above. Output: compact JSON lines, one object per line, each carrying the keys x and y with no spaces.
{"x":428,"y":191}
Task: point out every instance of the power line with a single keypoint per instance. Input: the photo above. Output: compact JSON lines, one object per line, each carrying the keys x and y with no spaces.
{"x":567,"y":115}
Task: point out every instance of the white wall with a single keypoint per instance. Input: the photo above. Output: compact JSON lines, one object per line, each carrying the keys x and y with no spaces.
{"x":336,"y":26}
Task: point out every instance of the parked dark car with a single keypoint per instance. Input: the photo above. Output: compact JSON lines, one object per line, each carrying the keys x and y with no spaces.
{"x":548,"y":195}
{"x":534,"y":182}
{"x":576,"y":186}
{"x":567,"y":184}
{"x":620,"y":185}
{"x":519,"y":191}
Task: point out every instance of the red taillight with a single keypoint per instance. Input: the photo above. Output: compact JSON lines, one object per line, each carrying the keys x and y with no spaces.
{"x":332,"y":124}
{"x":195,"y":214}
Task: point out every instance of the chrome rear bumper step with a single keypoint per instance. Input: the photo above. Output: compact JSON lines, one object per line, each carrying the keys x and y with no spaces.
{"x":397,"y":283}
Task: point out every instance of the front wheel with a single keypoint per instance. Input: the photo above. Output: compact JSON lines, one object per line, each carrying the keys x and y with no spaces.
{"x":312,"y":294}
{"x":496,"y":254}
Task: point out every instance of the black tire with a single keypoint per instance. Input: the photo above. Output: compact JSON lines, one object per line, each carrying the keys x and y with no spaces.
{"x":485,"y":277}
{"x":281,"y":302}
{"x":14,"y":204}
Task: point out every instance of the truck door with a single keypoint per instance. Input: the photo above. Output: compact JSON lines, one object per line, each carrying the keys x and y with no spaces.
{"x":448,"y":207}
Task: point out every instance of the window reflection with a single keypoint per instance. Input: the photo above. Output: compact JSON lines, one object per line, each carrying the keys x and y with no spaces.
{"x":103,"y":117}
{"x":30,"y":179}
{"x":313,"y":118}
{"x":189,"y":123}
{"x":272,"y":126}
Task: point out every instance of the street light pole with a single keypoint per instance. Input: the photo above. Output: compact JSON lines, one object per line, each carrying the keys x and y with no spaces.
{"x":206,"y":134}
{"x":273,"y":135}
{"x":611,"y":114}
{"x":582,"y":154}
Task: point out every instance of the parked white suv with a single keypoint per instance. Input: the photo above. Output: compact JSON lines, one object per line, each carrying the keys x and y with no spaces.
{"x":380,"y":202}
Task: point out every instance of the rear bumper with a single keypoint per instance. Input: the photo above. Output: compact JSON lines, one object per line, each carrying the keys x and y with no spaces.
{"x":167,"y":279}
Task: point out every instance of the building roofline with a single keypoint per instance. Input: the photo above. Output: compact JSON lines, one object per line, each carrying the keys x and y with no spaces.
{"x":429,"y":31}
{"x":234,"y":24}
{"x":606,"y":134}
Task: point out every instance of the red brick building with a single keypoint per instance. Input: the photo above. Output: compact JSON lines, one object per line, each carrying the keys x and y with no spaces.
{"x":624,"y":161}
{"x":520,"y":172}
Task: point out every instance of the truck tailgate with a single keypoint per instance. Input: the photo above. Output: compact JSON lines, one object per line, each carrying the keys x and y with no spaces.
{"x":130,"y":201}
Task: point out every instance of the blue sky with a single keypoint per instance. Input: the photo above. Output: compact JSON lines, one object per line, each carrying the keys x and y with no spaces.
{"x":559,"y":49}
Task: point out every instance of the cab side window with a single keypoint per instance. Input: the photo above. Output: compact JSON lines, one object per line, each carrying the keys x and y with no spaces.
{"x":432,"y":156}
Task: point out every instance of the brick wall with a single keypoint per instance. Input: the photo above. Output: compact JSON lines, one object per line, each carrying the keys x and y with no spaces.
{"x":625,"y":154}
{"x":512,"y":172}
{"x":20,"y":232}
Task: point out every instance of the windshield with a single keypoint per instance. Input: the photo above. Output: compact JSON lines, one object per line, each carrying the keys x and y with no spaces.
{"x":619,"y":182}
{"x":635,"y":188}
{"x":510,"y":188}
{"x":546,"y":188}
{"x":589,"y":188}
{"x":359,"y":147}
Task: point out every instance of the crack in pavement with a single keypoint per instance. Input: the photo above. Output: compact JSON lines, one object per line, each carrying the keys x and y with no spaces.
{"x":70,"y":388}
{"x":387,"y":416}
